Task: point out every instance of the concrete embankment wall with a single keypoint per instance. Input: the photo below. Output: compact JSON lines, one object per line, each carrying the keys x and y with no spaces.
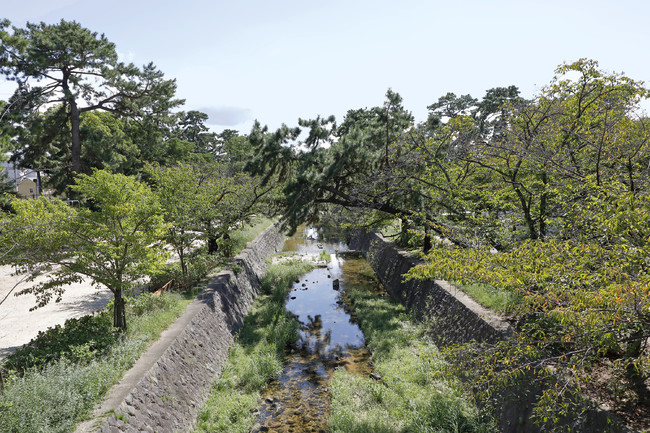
{"x":165,"y":389}
{"x":454,"y":318}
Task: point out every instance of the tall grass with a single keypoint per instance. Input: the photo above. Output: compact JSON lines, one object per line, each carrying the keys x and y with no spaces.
{"x":503,"y":301}
{"x":415,"y":393}
{"x":256,"y":357}
{"x":240,"y":237}
{"x":54,"y":395}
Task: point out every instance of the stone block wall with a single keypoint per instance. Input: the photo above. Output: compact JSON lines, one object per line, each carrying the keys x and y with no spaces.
{"x":167,"y":397}
{"x":454,"y":317}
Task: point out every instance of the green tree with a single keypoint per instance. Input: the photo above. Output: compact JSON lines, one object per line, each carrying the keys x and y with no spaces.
{"x":115,"y":245}
{"x":566,"y":174}
{"x":67,"y":64}
{"x":107,"y":144}
{"x":191,"y":127}
{"x":235,"y":149}
{"x":183,"y":201}
{"x":206,"y":201}
{"x":348,"y":165}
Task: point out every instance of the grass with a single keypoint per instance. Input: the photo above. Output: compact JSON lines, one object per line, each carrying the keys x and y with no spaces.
{"x":256,"y":357}
{"x":240,"y":237}
{"x":48,"y":391}
{"x":416,"y":393}
{"x":200,"y":263}
{"x":490,"y":297}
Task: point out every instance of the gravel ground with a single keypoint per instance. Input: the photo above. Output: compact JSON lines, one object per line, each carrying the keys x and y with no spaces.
{"x":18,"y":325}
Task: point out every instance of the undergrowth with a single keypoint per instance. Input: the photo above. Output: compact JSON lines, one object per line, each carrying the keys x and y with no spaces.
{"x":256,"y":357}
{"x":415,"y":394}
{"x":200,"y":263}
{"x":54,"y":382}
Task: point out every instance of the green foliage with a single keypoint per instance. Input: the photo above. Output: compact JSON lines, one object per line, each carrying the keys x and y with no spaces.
{"x":416,"y":393}
{"x":334,"y":165}
{"x":67,"y":63}
{"x":199,"y":265}
{"x":552,"y":193}
{"x":206,"y":201}
{"x":56,"y":398}
{"x":78,"y":340}
{"x":257,"y":356}
{"x":583,"y":303}
{"x":116,"y":244}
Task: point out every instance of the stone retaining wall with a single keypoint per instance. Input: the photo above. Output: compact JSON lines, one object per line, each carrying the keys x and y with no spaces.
{"x":167,"y":397}
{"x":454,"y":318}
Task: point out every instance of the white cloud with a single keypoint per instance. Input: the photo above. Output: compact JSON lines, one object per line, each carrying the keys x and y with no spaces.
{"x":226,"y":116}
{"x":129,"y":57}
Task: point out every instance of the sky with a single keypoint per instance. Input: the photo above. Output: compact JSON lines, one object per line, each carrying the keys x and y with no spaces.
{"x":279,"y":60}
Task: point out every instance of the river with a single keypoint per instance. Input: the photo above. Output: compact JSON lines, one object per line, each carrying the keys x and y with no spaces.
{"x":298,"y":401}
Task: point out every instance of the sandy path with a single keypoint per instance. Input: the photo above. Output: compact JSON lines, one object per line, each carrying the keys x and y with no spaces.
{"x":18,"y":325}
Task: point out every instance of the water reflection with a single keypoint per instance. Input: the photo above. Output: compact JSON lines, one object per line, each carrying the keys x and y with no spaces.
{"x":313,"y":240}
{"x":298,"y":401}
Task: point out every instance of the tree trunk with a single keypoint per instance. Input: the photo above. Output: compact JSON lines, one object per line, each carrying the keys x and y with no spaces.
{"x":525,"y":207}
{"x":542,"y":208}
{"x":404,"y":229}
{"x":75,"y":150}
{"x":213,"y":247}
{"x":634,"y":372}
{"x":39,"y":187}
{"x":119,"y":316}
{"x":181,"y":259}
{"x":427,"y":240}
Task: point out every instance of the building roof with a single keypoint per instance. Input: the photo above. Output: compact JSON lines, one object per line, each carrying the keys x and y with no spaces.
{"x":17,"y":174}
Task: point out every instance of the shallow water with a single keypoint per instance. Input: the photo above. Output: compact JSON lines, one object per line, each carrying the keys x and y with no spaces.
{"x":298,"y":401}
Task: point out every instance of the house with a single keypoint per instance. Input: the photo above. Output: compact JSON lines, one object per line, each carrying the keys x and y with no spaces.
{"x":27,"y":188}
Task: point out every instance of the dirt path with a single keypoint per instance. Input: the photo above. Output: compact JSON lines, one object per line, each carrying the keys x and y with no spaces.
{"x":18,"y":325}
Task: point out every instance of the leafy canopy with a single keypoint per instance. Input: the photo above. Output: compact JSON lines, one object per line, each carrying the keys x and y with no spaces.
{"x":115,"y":243}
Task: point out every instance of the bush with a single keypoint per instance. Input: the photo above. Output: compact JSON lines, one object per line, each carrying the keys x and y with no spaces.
{"x":198,"y":266}
{"x":78,"y":340}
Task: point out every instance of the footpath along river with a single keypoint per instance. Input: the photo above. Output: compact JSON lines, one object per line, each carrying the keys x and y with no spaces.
{"x":298,"y":401}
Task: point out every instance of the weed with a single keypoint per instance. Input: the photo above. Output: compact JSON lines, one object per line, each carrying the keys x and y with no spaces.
{"x":416,"y":393}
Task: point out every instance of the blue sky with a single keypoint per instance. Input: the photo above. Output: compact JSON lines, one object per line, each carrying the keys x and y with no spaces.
{"x":279,"y":60}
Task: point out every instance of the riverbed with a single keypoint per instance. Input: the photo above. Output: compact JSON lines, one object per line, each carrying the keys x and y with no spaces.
{"x":298,"y":401}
